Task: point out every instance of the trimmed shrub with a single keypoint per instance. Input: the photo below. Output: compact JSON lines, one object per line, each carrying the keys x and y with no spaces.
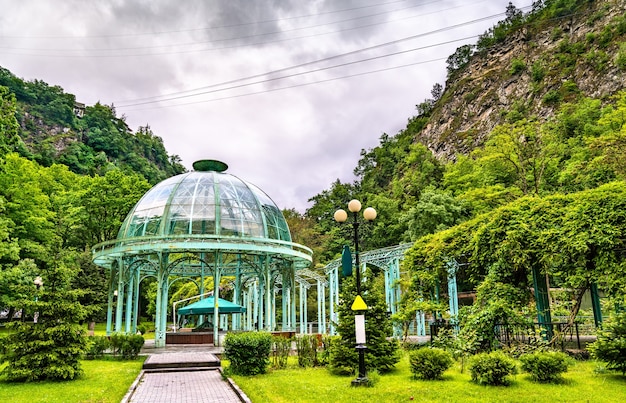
{"x":429,"y":363}
{"x":131,"y":346}
{"x":545,"y":366}
{"x":96,"y":346}
{"x":248,"y":352}
{"x":491,"y":368}
{"x":126,"y":346}
{"x":281,"y":346}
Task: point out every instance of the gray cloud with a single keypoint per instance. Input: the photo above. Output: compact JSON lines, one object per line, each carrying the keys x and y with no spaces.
{"x":290,"y":139}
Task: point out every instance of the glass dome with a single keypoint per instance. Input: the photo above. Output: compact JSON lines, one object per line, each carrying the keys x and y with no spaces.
{"x":206,"y":201}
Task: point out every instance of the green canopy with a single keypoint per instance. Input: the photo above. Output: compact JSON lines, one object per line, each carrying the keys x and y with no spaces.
{"x":206,"y":306}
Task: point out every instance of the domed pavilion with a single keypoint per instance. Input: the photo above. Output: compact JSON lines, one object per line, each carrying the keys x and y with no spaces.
{"x":199,"y":224}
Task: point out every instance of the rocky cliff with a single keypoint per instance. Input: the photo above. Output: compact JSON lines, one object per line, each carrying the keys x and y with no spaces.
{"x":533,"y":71}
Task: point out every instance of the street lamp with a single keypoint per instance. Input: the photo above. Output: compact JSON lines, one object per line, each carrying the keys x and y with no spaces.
{"x":341,"y":216}
{"x":38,"y":281}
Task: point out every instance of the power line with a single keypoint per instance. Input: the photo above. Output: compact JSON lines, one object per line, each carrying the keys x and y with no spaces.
{"x":221,"y":40}
{"x":297,"y":74}
{"x":152,"y":33}
{"x":293,"y":86}
{"x":156,"y":98}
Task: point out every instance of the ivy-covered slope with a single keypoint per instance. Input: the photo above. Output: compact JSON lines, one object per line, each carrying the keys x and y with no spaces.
{"x":54,"y":128}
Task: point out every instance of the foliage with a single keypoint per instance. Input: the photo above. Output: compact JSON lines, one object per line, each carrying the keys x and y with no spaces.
{"x":495,"y":305}
{"x":96,"y":347}
{"x":127,"y":346}
{"x":248,"y":352}
{"x":281,"y":346}
{"x":429,"y":363}
{"x":517,"y":66}
{"x":382,"y":352}
{"x":51,"y":348}
{"x":306,"y":346}
{"x":610,"y":345}
{"x":545,"y":366}
{"x":491,"y":368}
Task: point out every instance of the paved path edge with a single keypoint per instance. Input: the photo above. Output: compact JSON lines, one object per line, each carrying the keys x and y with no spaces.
{"x":233,"y":385}
{"x":132,"y":388}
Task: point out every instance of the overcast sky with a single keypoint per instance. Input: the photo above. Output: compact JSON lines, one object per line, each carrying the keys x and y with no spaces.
{"x":286,"y":92}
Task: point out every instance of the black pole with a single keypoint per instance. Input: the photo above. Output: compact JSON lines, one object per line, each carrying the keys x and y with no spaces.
{"x":355,"y":225}
{"x":362,"y":378}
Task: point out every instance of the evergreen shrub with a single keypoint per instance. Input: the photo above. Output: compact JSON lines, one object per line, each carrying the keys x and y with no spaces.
{"x":248,"y":352}
{"x":610,"y":345}
{"x":429,"y":363}
{"x":545,"y":366}
{"x":491,"y":368}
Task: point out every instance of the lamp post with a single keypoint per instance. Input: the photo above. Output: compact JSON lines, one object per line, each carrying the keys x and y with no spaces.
{"x":341,"y":216}
{"x":38,"y":281}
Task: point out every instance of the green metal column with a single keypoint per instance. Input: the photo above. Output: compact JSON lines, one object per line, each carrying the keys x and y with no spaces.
{"x":136,"y":301}
{"x":321,"y":308}
{"x":216,"y":295}
{"x":595,"y":304}
{"x":453,"y":295}
{"x":129,"y":302}
{"x":333,"y":298}
{"x":159,"y":324}
{"x":120,"y":296}
{"x":110,"y":301}
{"x":268,"y":295}
{"x":302,"y":302}
{"x":292,"y":299}
{"x":543,"y":302}
{"x":286,"y":316}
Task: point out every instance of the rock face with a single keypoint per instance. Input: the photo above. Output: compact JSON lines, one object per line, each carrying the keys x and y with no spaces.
{"x":530,"y":75}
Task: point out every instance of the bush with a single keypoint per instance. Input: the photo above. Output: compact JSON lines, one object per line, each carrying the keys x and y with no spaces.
{"x":545,"y":366}
{"x":248,"y":352}
{"x":127,"y":346}
{"x":610,"y":345}
{"x":280,"y":351}
{"x":517,"y":66}
{"x":96,"y":347}
{"x":491,"y":368}
{"x":306,"y":346}
{"x":324,"y":354}
{"x":429,"y":363}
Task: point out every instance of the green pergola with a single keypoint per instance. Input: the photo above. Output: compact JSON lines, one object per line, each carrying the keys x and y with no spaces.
{"x":199,"y":224}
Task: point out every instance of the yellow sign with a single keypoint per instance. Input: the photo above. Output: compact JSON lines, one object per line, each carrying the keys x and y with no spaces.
{"x":359,"y":304}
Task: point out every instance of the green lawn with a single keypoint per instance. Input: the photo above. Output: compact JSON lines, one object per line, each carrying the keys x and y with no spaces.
{"x":103,"y":381}
{"x":580,"y":384}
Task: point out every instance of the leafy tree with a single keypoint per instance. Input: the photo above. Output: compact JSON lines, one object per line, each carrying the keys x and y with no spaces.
{"x":107,"y":200}
{"x":8,"y":124}
{"x":435,"y":210}
{"x":459,"y":59}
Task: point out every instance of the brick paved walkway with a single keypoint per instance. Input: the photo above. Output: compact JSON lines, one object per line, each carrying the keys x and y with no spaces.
{"x":184,"y":387}
{"x":182,"y":374}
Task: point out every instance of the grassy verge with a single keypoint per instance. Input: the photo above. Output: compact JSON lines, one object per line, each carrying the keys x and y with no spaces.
{"x":580,"y":384}
{"x":103,"y":381}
